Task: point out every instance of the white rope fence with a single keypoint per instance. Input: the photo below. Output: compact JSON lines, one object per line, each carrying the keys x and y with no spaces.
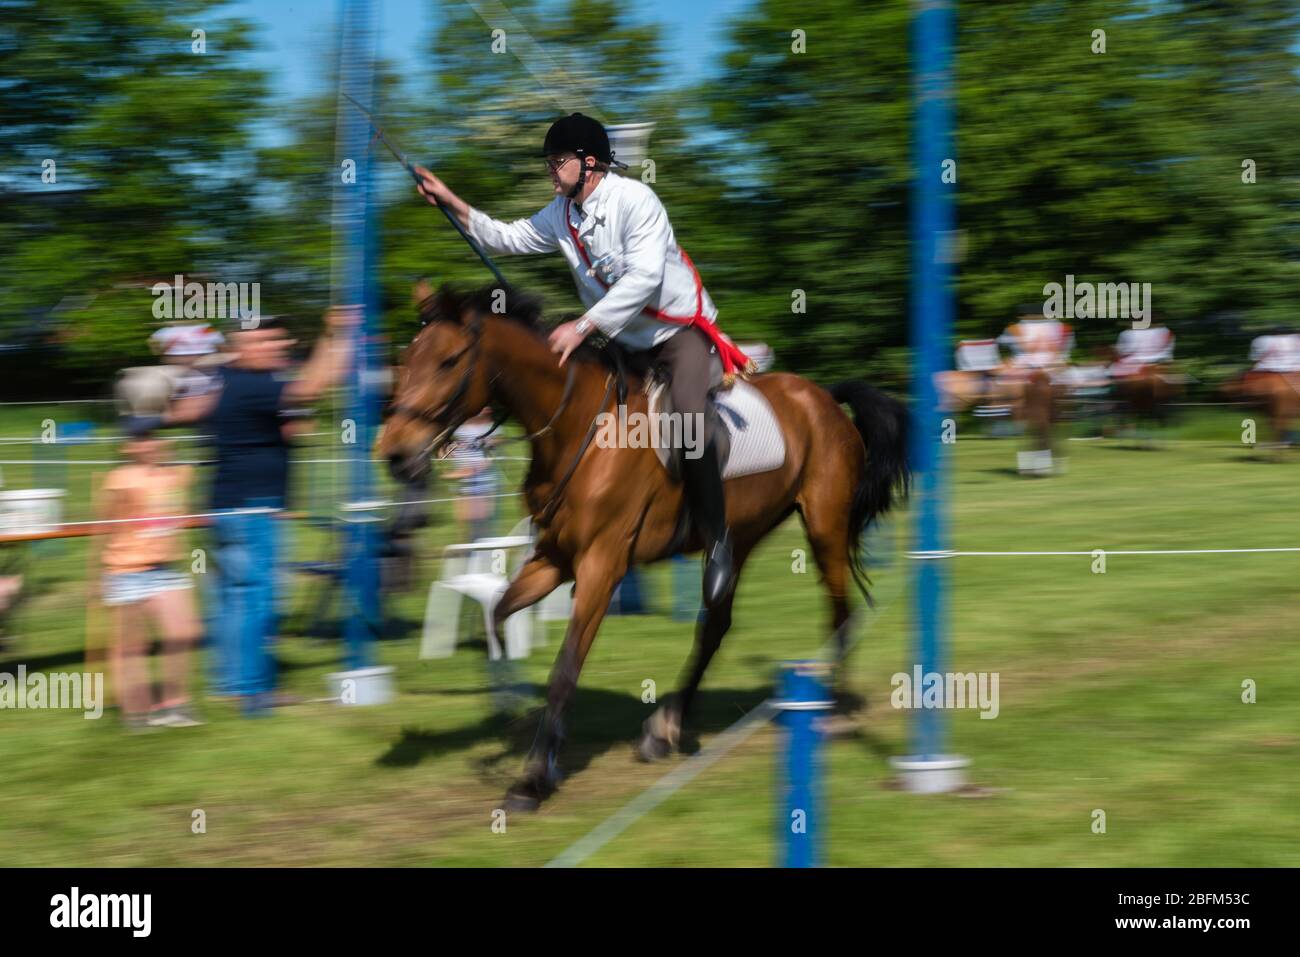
{"x":296,"y":461}
{"x":349,"y":507}
{"x":933,"y":556}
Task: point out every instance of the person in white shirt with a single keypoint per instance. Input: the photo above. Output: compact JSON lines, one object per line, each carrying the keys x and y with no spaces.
{"x":194,"y":350}
{"x":1038,"y":343}
{"x":477,"y":474}
{"x":1138,"y":348}
{"x":1276,"y":352}
{"x":639,"y":287}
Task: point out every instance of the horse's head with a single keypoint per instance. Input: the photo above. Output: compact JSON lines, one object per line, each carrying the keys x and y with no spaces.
{"x":445,"y":377}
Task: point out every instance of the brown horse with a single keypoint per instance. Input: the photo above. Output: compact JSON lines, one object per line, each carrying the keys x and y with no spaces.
{"x":1145,"y":395}
{"x":1277,"y":393}
{"x":600,"y":510}
{"x":1032,"y":399}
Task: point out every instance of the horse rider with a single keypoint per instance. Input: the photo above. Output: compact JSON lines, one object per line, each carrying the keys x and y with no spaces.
{"x":639,"y":288}
{"x":1037,"y":342}
{"x":1139,"y":348}
{"x":1278,"y":351}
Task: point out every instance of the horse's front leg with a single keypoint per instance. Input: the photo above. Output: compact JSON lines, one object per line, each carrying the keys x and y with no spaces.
{"x":597,"y":572}
{"x":534,"y":581}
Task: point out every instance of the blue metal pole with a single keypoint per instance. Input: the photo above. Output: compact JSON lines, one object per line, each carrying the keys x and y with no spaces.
{"x":801,"y":826}
{"x":686,"y":589}
{"x":932,"y":224}
{"x":356,"y":247}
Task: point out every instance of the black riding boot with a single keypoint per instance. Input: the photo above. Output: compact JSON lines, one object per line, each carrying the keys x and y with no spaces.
{"x":703,"y":479}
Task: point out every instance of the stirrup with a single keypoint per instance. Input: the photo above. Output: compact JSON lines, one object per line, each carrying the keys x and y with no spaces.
{"x":719,"y":572}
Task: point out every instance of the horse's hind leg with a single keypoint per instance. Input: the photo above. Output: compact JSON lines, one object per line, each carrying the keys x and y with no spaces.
{"x":824,"y":520}
{"x":661,"y":732}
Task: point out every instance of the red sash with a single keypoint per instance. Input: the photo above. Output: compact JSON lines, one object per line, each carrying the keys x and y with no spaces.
{"x":733,"y":360}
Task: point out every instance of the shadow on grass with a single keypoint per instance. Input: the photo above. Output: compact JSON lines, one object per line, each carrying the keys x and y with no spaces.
{"x":599,"y":721}
{"x":1273,"y":458}
{"x":1135,"y":445}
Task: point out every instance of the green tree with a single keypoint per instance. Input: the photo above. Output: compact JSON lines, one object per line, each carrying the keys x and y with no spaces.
{"x":148,"y":138}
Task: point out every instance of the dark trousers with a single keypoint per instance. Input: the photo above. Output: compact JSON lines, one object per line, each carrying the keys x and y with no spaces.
{"x":696,"y":368}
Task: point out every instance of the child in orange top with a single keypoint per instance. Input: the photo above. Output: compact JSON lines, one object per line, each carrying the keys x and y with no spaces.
{"x":142,"y":582}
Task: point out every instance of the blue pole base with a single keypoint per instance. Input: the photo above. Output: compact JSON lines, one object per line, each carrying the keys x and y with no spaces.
{"x":803,"y":698}
{"x":931,"y":773}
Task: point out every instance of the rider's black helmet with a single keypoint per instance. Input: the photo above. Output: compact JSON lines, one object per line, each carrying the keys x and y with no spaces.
{"x":578,"y":134}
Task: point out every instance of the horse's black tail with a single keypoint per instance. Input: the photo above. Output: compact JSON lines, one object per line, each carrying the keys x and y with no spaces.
{"x":882,"y":421}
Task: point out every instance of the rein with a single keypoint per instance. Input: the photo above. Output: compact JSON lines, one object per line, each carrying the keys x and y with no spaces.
{"x":434,"y":418}
{"x":564,"y":401}
{"x":548,"y":512}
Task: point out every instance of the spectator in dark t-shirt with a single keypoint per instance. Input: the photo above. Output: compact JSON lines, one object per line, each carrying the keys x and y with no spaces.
{"x":247,"y":431}
{"x":250,"y":414}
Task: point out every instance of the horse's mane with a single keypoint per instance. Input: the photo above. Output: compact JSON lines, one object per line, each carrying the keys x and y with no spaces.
{"x":452,"y":302}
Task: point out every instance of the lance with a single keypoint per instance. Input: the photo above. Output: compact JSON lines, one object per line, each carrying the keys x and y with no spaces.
{"x":410,"y":168}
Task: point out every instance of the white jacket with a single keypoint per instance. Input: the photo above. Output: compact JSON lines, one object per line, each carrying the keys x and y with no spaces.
{"x":1146,"y":346}
{"x":1276,"y":353}
{"x":628,"y":260}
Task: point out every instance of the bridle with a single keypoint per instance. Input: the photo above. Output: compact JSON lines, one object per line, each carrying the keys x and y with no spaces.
{"x":439,"y":416}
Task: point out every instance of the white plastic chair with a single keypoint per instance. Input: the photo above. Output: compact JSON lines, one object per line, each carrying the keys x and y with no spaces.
{"x":475,"y":571}
{"x":480,"y":572}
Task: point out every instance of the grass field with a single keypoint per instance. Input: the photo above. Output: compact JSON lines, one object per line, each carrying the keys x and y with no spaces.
{"x":1119,"y":691}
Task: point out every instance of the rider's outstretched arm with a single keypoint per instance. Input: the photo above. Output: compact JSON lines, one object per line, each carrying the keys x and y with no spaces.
{"x":533,"y":235}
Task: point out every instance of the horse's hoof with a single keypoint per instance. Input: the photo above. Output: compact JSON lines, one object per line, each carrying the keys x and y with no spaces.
{"x":540,"y":781}
{"x":651,"y":749}
{"x":521,"y":801}
{"x":528,"y":793}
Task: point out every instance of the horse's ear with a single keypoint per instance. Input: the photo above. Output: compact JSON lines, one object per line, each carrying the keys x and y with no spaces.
{"x":448,"y":304}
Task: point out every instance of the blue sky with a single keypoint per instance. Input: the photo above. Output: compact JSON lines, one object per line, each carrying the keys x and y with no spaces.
{"x":298,"y":34}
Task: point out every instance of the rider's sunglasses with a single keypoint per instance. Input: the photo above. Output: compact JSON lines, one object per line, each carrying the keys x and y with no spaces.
{"x":553,"y":165}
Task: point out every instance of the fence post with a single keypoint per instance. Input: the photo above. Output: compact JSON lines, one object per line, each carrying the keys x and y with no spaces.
{"x":802,"y":824}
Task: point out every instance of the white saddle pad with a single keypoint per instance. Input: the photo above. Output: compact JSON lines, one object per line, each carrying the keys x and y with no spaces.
{"x":757,"y":444}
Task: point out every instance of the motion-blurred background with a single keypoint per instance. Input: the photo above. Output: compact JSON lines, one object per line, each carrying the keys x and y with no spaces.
{"x":1166,"y":159}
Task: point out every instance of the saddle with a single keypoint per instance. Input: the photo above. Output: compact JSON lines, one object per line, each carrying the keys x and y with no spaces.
{"x":737,"y":418}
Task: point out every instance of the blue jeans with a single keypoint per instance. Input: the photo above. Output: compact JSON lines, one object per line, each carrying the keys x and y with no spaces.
{"x":243,"y":572}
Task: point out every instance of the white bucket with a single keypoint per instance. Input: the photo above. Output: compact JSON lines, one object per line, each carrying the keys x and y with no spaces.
{"x":1035,"y":463}
{"x":630,"y":143}
{"x":362,"y":686}
{"x":31,"y":511}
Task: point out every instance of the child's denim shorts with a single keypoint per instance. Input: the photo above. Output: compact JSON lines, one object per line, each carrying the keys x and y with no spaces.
{"x":125,"y":588}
